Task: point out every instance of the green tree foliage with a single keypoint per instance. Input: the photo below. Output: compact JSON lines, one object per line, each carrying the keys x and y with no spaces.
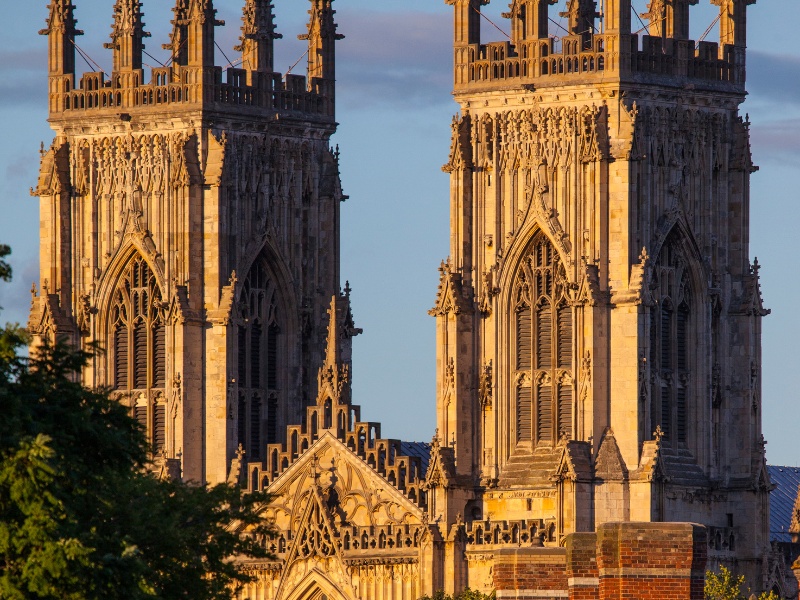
{"x":467,"y":594}
{"x":5,"y":268}
{"x":727,"y":586}
{"x":80,"y":516}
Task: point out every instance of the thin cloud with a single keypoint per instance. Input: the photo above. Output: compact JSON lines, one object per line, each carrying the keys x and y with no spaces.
{"x":20,"y":169}
{"x":394,"y":58}
{"x":31,"y":60}
{"x":779,"y":140}
{"x":23,"y":92}
{"x":773,"y":78}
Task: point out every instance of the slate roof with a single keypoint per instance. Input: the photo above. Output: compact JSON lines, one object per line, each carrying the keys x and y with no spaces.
{"x":781,"y":501}
{"x":421,"y":450}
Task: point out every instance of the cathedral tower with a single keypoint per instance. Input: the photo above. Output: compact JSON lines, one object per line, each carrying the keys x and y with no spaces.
{"x":599,"y":318}
{"x":190,"y":228}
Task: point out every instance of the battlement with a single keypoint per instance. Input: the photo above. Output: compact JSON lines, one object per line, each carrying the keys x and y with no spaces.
{"x":174,"y":86}
{"x":597,"y":50}
{"x":191,"y":79}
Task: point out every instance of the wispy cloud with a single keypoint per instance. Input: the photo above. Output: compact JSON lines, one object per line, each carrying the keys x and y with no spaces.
{"x":779,"y":140}
{"x":773,"y":78}
{"x":20,"y":169}
{"x":395,"y":58}
{"x":23,"y":77}
{"x":33,"y":60}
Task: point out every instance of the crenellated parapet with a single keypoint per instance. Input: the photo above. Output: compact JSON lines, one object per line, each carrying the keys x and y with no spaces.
{"x":190,"y":79}
{"x":595,"y":49}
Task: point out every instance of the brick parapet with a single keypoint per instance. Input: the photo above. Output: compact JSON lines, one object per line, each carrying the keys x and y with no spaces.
{"x":641,"y":561}
{"x":583,"y":582}
{"x":530,"y":573}
{"x":651,"y":560}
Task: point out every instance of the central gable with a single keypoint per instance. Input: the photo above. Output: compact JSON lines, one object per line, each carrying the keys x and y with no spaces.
{"x":356,"y":494}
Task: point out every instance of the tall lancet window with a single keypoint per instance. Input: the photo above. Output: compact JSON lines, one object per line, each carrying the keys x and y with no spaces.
{"x":542,"y":333}
{"x":138,"y":347}
{"x":258,"y":339}
{"x":670,"y":343}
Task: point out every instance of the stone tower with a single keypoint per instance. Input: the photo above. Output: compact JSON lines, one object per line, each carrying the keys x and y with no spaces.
{"x":190,"y":227}
{"x":599,"y":318}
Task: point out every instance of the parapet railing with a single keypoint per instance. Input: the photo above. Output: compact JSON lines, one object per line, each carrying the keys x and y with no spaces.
{"x":579,"y":56}
{"x":184,"y":86}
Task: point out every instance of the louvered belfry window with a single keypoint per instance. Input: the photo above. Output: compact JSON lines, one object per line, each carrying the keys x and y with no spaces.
{"x":670,"y":343}
{"x":138,"y":347}
{"x":258,"y":342}
{"x":543,"y":339}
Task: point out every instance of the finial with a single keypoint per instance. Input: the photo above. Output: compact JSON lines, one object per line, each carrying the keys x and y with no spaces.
{"x":240,"y":452}
{"x":436,"y":440}
{"x":658,"y":434}
{"x":644,"y":257}
{"x":33,"y":291}
{"x":347,"y":289}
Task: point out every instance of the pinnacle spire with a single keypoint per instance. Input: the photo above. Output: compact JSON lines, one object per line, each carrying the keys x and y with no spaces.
{"x":127,"y":34}
{"x":61,"y":33}
{"x":192,"y":37}
{"x":322,"y":37}
{"x":178,"y":37}
{"x":258,"y":35}
{"x":334,"y":375}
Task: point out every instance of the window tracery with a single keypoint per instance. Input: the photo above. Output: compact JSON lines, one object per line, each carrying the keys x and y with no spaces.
{"x":670,"y":343}
{"x":138,"y":347}
{"x":543,"y":339}
{"x":258,"y":341}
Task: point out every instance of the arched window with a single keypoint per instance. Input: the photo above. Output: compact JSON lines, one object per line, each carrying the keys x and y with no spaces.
{"x":543,"y":339}
{"x":670,"y":343}
{"x":257,"y":344}
{"x":138,"y":347}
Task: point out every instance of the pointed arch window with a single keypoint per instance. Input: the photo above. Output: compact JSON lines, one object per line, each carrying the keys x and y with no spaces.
{"x":543,"y":338}
{"x":258,"y":361}
{"x":138,"y":347}
{"x":670,"y":343}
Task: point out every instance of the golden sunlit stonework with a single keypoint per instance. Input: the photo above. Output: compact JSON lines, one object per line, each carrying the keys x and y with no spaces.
{"x":598,"y":319}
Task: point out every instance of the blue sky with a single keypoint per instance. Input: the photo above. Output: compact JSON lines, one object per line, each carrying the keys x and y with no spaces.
{"x":394,"y":107}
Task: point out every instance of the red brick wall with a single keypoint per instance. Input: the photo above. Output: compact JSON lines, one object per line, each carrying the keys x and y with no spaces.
{"x":622,"y":561}
{"x":530,"y":569}
{"x":642,"y":561}
{"x":582,"y":574}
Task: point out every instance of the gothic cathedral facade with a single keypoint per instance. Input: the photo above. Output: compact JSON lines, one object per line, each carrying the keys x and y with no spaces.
{"x":598,"y":319}
{"x":190,"y":227}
